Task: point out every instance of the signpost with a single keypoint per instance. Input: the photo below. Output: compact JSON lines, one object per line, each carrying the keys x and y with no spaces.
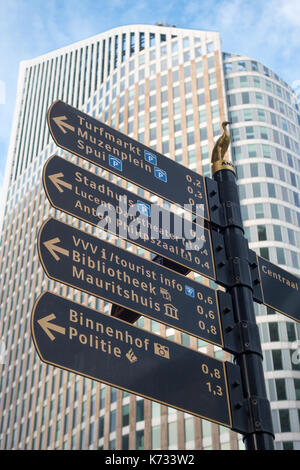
{"x":80,"y":193}
{"x":87,"y":342}
{"x":117,"y":353}
{"x":279,"y":289}
{"x":108,"y":148}
{"x":99,"y":268}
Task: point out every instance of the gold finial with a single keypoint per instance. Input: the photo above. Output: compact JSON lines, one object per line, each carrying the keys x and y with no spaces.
{"x":219,"y":150}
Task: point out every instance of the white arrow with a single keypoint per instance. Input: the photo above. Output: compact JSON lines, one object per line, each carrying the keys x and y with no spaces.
{"x":60,"y":122}
{"x":51,"y":245}
{"x":58,"y":182}
{"x":47,"y":326}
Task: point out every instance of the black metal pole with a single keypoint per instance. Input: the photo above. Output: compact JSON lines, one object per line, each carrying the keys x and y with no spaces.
{"x":249,"y":358}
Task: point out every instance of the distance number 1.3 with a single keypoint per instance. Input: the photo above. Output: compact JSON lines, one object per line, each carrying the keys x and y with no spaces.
{"x":215,"y":373}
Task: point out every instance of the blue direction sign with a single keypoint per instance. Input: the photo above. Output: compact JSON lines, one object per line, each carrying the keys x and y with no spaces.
{"x":108,"y":148}
{"x":81,"y":194}
{"x":87,"y":342}
{"x":99,"y":268}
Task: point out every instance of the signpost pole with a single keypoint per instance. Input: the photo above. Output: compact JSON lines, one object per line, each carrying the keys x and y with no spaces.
{"x":249,"y":357}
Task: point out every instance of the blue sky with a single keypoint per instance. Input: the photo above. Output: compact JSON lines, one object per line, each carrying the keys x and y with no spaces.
{"x":266,"y":30}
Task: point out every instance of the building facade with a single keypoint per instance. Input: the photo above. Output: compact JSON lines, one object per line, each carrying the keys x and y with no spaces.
{"x":169,"y":88}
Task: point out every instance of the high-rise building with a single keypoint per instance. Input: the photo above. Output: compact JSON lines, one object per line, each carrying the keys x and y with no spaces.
{"x":169,"y":88}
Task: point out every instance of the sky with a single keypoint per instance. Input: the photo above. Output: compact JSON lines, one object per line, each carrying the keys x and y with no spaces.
{"x":267,"y":31}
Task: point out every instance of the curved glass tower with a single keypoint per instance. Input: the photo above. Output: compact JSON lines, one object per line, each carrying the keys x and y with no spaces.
{"x":169,"y":88}
{"x":265,"y":150}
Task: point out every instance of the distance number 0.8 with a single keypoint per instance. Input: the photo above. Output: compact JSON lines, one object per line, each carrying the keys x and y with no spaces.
{"x":214,"y":389}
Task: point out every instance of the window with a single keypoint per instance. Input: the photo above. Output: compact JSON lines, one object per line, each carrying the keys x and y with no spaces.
{"x":244,"y":211}
{"x":229,"y":83}
{"x":273,"y":331}
{"x":280,"y":256}
{"x":213,"y":94}
{"x":261,"y":115}
{"x":284,"y":418}
{"x":241,"y":65}
{"x":210,"y":47}
{"x":264,"y":252}
{"x":240,"y":172}
{"x":251,"y":150}
{"x":189,"y":429}
{"x":234,"y":116}
{"x":297,"y":388}
{"x":112,"y":421}
{"x":245,"y":97}
{"x":254,"y":170}
{"x":271,"y":102}
{"x":155,"y":435}
{"x":284,"y":124}
{"x":235,"y":135}
{"x":269,"y":170}
{"x":203,"y":133}
{"x":125,"y":442}
{"x":277,"y":359}
{"x":274,"y":211}
{"x":210,"y":62}
{"x":231,"y":100}
{"x":248,"y":115}
{"x":125,"y":415}
{"x":291,"y":235}
{"x":291,"y":332}
{"x":201,"y":99}
{"x":262,"y":232}
{"x":244,"y":81}
{"x":259,"y":98}
{"x":280,"y":389}
{"x":139,"y":438}
{"x":256,"y":82}
{"x":250,"y":132}
{"x":288,"y":215}
{"x":259,"y":210}
{"x":101,"y":427}
{"x":256,"y":190}
{"x":263,"y":133}
{"x":139,"y":410}
{"x":236,"y":153}
{"x":266,"y":151}
{"x":215,"y":111}
{"x":172,"y":433}
{"x":228,"y":67}
{"x":271,"y":190}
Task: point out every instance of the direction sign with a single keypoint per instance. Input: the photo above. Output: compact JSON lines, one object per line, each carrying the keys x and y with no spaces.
{"x":80,"y":193}
{"x":108,"y":148}
{"x":94,"y":345}
{"x":279,"y":289}
{"x":99,"y":268}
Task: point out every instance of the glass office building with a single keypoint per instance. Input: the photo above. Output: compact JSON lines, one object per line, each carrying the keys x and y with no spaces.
{"x":169,"y":88}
